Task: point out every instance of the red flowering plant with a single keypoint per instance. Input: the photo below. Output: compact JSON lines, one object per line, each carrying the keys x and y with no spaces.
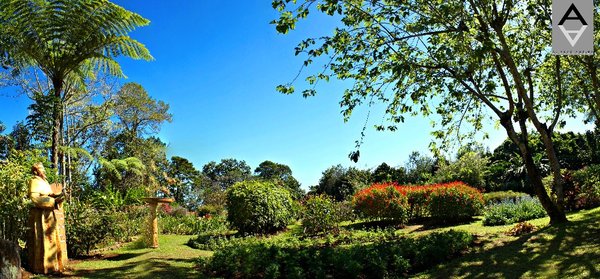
{"x":448,"y":201}
{"x":382,"y":201}
{"x":454,"y":201}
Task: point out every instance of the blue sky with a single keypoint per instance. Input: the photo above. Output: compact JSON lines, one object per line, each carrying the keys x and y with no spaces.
{"x":217,"y":64}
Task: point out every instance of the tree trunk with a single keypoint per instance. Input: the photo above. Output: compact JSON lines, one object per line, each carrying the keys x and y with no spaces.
{"x":56,"y":121}
{"x":557,"y":215}
{"x":555,"y":167}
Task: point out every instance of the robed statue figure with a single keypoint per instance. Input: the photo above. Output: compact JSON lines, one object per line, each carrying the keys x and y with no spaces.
{"x":46,"y":242}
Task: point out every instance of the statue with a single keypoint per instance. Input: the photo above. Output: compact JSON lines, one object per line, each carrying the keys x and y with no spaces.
{"x":46,"y":242}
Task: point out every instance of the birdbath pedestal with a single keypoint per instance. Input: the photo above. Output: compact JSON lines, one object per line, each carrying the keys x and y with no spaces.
{"x":152,"y":231}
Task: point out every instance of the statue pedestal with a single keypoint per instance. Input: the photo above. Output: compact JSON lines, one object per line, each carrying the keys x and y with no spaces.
{"x":152,"y":231}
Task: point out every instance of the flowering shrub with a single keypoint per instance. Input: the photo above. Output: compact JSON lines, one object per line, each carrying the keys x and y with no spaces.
{"x":382,"y":201}
{"x":454,"y":202}
{"x":448,"y":201}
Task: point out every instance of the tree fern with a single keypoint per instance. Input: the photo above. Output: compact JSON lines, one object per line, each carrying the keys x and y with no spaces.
{"x":68,"y":40}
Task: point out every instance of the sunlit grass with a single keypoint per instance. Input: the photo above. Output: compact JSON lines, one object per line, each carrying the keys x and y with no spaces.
{"x":567,"y":251}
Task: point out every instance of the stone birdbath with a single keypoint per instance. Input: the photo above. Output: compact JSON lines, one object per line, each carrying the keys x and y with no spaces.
{"x":152,"y":231}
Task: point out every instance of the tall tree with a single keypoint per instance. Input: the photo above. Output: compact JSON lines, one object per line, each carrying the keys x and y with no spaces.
{"x":185,"y":188}
{"x":385,"y":173}
{"x":138,"y":113}
{"x":282,"y":174}
{"x":341,"y":183}
{"x":68,"y":41}
{"x":227,"y":172}
{"x":467,"y":61}
{"x":420,"y":168}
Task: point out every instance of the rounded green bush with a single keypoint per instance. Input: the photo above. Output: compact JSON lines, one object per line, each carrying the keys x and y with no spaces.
{"x":259,"y":207}
{"x":320,"y":215}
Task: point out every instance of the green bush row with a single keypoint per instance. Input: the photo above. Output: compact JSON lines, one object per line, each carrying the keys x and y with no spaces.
{"x":191,"y":224}
{"x":294,"y":258}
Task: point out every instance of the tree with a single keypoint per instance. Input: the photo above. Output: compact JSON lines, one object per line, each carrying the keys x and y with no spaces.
{"x":467,"y":61}
{"x":420,"y":168}
{"x":227,"y":172}
{"x":150,"y":153}
{"x":185,"y":188}
{"x":67,"y":41}
{"x":341,"y":183}
{"x":5,"y":143}
{"x":138,"y":113}
{"x":385,"y":173}
{"x":21,"y":137}
{"x":470,"y":168}
{"x":281,"y":174}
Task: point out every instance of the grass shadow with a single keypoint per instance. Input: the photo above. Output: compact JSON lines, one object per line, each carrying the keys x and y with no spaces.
{"x":569,"y":250}
{"x":153,"y":268}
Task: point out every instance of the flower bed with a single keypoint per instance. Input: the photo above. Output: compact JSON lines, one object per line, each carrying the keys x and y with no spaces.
{"x":453,"y":201}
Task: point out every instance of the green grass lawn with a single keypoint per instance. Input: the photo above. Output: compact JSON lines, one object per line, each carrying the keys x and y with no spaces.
{"x":173,"y":259}
{"x":568,"y":251}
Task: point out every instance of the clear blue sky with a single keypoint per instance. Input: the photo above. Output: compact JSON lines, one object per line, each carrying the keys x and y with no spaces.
{"x":217,"y":64}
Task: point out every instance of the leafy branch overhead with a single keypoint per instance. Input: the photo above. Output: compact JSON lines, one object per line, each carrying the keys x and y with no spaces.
{"x":466,"y":62}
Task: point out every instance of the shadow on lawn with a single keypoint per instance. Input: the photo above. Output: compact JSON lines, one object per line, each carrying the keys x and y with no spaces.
{"x":571,"y":250}
{"x":154,"y":268}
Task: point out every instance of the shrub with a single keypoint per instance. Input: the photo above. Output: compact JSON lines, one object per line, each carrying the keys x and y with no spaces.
{"x":190,"y":224}
{"x":259,"y":207}
{"x":510,"y":211}
{"x":587,"y":180}
{"x":454,"y":202}
{"x":581,"y":188}
{"x":212,"y":241}
{"x":444,"y":202}
{"x":209,"y":210}
{"x":320,"y":214}
{"x":471,"y":168}
{"x":294,"y":258}
{"x":382,"y":201}
{"x":500,"y":196}
{"x":345,"y":211}
{"x":128,"y":223}
{"x":85,"y":227}
{"x":417,"y":200}
{"x":15,"y":173}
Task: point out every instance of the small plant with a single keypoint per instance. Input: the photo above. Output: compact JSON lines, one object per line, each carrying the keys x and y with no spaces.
{"x":521,"y":228}
{"x":259,"y":207}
